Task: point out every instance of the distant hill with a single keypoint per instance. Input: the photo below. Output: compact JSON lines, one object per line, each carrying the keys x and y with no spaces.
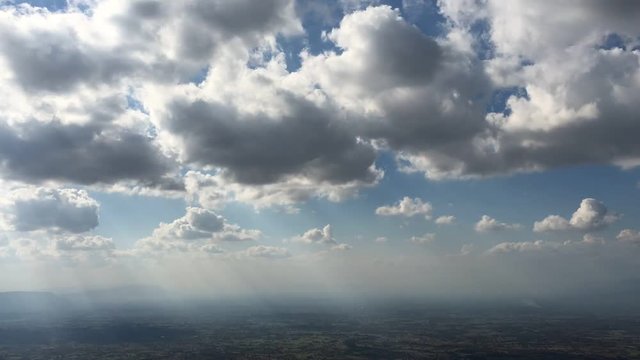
{"x":120,"y":295}
{"x":30,"y":301}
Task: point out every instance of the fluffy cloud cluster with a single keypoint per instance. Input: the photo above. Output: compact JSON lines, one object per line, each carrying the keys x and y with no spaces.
{"x":324,"y":236}
{"x":407,"y":207}
{"x":487,"y":224}
{"x":41,"y":223}
{"x":445,"y":220}
{"x":394,"y":75}
{"x":629,"y":235}
{"x":66,"y":210}
{"x":102,"y":134}
{"x":562,"y":112}
{"x":198,"y":230}
{"x":317,"y":236}
{"x":590,"y":215}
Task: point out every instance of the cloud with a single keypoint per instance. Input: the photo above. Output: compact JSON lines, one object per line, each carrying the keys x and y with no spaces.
{"x":509,"y":247}
{"x":198,"y":230}
{"x":341,"y":247}
{"x":467,"y":249}
{"x":56,"y":210}
{"x":84,"y":243}
{"x":407,"y":207}
{"x":72,"y":77}
{"x":281,"y":133}
{"x":117,"y":40}
{"x":593,"y":239}
{"x":629,"y":235}
{"x":270,"y":252}
{"x":84,"y":154}
{"x":402,"y":75}
{"x":52,"y":61}
{"x":424,"y":239}
{"x":215,"y":191}
{"x":590,"y":215}
{"x":588,"y":241}
{"x":353,"y":5}
{"x":196,"y":224}
{"x":51,"y":225}
{"x":551,"y":223}
{"x":59,"y":249}
{"x":322,"y":236}
{"x":445,"y":220}
{"x":258,"y":149}
{"x":487,"y":224}
{"x":562,"y":112}
{"x":382,"y":43}
{"x":317,"y":236}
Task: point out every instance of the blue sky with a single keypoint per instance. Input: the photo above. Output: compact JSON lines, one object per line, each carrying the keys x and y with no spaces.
{"x":323,"y":136}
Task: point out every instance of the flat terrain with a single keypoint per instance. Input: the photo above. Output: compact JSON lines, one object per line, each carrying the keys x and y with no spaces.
{"x":315,"y":332}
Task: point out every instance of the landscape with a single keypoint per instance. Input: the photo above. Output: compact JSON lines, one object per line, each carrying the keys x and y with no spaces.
{"x":319,"y":179}
{"x":48,"y":326}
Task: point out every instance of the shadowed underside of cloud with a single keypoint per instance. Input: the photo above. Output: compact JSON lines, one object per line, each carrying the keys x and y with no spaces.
{"x":259,"y":149}
{"x":32,"y":209}
{"x":82,"y":154}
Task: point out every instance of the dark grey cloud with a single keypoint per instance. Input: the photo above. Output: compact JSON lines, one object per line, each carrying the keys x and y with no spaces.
{"x":61,"y":58}
{"x":202,"y":25}
{"x":147,"y":9}
{"x":381,"y":51}
{"x":240,"y":17}
{"x":257,"y":149}
{"x":58,"y":62}
{"x":617,"y":9}
{"x":68,"y":210}
{"x":88,"y":154}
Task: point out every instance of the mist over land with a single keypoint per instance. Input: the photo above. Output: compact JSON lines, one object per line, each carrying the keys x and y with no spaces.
{"x":149,"y":324}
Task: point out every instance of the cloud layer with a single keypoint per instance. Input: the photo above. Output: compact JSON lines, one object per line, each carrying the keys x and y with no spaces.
{"x":206,"y":86}
{"x":244,"y":107}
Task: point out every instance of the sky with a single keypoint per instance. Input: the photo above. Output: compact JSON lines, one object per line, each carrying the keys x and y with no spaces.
{"x":445,"y":148}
